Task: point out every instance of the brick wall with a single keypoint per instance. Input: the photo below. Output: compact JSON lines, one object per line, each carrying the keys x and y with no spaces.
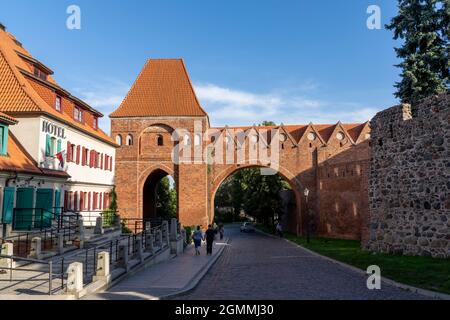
{"x":302,"y":164}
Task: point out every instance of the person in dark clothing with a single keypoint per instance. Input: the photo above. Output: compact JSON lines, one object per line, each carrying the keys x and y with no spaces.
{"x":221,"y":231}
{"x":209,"y":237}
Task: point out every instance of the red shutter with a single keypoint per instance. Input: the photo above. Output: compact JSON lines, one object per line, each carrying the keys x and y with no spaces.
{"x":110,"y":164}
{"x":91,"y":158}
{"x":69,"y":151}
{"x":66,"y":200}
{"x":81,"y":201}
{"x":78,"y":154}
{"x":75,"y":201}
{"x":105,"y":204}
{"x":83,"y":156}
{"x":71,"y":200}
{"x":89,"y":202}
{"x":106,"y":162}
{"x":101,"y":162}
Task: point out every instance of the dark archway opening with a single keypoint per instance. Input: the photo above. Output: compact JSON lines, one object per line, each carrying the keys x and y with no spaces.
{"x":159,"y":196}
{"x":249,"y":195}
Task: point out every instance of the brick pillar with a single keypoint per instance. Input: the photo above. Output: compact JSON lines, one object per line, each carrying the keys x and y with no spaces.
{"x":193,"y":194}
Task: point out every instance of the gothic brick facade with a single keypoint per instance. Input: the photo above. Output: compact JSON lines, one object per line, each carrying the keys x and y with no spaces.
{"x":331,"y":161}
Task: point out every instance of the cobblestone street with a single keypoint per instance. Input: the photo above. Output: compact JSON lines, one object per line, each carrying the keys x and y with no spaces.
{"x":255,"y":266}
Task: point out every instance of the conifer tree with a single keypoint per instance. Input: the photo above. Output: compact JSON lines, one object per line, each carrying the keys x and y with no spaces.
{"x":423,"y":27}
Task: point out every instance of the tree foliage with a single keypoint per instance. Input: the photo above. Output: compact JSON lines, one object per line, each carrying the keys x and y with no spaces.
{"x":423,"y":25}
{"x":166,"y":199}
{"x":256,"y":194}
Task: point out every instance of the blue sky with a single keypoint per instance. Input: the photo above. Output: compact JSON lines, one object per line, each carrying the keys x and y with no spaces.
{"x":288,"y":61}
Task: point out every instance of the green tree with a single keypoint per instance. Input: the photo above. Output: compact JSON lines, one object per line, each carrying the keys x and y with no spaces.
{"x":166,"y":199}
{"x":258,"y":195}
{"x":423,"y":27}
{"x":113,"y":204}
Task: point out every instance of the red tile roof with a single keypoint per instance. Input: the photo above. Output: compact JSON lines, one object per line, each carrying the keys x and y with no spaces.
{"x":17,"y":95}
{"x":298,"y":131}
{"x":163,"y":88}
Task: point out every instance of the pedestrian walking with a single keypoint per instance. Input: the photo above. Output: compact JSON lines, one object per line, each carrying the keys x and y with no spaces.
{"x":209,"y":237}
{"x":221,"y":231}
{"x":279,"y":230}
{"x":198,"y":236}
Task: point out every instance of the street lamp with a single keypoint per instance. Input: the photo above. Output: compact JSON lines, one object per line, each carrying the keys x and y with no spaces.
{"x":306,"y":194}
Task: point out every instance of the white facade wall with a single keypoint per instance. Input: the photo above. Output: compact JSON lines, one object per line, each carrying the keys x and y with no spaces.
{"x":30,"y":133}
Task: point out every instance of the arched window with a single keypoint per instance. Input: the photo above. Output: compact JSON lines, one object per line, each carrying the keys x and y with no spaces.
{"x":187,"y":140}
{"x":129,"y":140}
{"x":119,"y":139}
{"x":159,"y":140}
{"x":197,"y":140}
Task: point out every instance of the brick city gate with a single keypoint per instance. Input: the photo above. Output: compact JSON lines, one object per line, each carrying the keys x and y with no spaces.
{"x":163,"y":130}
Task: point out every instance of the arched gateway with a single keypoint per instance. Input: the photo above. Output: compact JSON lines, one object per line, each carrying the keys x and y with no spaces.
{"x":171,"y":135}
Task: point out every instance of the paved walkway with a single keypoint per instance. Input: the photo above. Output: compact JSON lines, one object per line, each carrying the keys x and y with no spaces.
{"x":256,"y":266}
{"x":163,"y":279}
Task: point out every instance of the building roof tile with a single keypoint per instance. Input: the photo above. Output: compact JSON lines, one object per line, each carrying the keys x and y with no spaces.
{"x":163,"y":88}
{"x":17,"y":95}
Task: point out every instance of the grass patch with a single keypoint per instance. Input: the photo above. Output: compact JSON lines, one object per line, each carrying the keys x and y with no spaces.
{"x":423,"y":272}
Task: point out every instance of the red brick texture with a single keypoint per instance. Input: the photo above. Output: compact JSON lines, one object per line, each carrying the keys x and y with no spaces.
{"x":335,"y":171}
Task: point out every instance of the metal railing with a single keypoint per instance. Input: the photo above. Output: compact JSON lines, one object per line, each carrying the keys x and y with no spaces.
{"x":51,"y":275}
{"x":137,"y":225}
{"x":37,"y":274}
{"x":108,"y":217}
{"x":88,"y":256}
{"x":64,"y":223}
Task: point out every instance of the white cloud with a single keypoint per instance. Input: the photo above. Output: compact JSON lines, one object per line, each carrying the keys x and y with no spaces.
{"x":238,"y":107}
{"x":104,"y":95}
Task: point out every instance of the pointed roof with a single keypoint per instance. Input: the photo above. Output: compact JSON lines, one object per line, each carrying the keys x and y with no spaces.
{"x":163,"y":88}
{"x":355,"y":129}
{"x":18,"y":95}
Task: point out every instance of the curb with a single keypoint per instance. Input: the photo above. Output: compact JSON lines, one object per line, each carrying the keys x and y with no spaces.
{"x":424,"y":292}
{"x":198,"y":277}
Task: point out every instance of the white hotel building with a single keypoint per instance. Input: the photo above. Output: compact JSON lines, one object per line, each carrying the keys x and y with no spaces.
{"x":59,"y":132}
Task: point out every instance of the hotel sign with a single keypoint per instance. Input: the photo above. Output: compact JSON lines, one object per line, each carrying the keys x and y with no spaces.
{"x":53,"y":129}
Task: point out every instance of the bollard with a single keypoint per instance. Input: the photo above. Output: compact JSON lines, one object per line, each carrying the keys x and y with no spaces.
{"x":75,"y":278}
{"x":7,"y":250}
{"x":81,"y":229}
{"x":99,"y":226}
{"x":36,"y":248}
{"x":123,"y":257}
{"x":173,"y":229}
{"x":138,"y":248}
{"x":149,"y":242}
{"x":60,"y":243}
{"x":165,"y":233}
{"x":159,"y":238}
{"x":102,"y":273}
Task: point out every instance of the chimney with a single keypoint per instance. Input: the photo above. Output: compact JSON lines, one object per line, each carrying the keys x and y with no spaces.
{"x":2,"y":26}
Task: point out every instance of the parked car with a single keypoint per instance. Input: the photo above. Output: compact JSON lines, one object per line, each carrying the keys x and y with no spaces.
{"x":247,"y":227}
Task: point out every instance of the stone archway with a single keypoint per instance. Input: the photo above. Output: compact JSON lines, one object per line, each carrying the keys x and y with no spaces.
{"x":295,"y":222}
{"x":148,"y":181}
